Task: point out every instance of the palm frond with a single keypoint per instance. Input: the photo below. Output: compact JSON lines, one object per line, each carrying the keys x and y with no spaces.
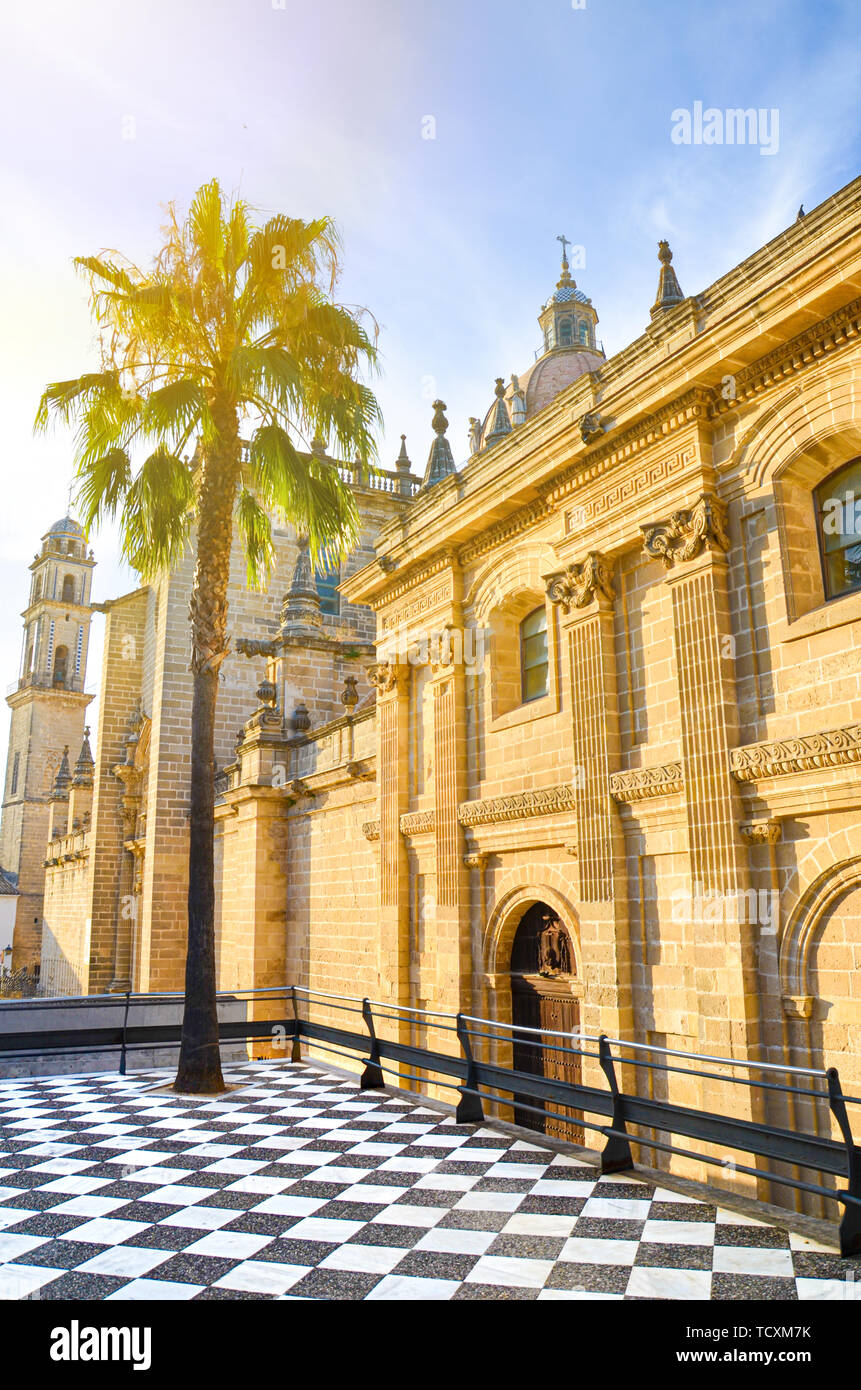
{"x":255,"y":529}
{"x":158,"y":513}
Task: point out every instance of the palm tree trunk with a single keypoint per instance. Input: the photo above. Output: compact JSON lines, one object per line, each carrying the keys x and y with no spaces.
{"x":199,"y":1070}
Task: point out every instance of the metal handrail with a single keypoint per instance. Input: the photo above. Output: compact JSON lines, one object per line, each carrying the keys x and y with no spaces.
{"x":478,"y":1081}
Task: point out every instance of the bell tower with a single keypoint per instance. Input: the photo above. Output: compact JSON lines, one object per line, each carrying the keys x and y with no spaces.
{"x":48,"y":706}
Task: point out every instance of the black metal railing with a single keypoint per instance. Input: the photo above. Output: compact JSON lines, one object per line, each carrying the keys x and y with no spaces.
{"x":293,"y":1015}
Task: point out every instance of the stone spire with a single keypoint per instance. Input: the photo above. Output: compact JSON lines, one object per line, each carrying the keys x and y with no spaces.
{"x":63,"y":779}
{"x":403,"y":467}
{"x":301,"y":607}
{"x":84,"y":766}
{"x":440,"y":459}
{"x":669,"y":290}
{"x":499,"y":423}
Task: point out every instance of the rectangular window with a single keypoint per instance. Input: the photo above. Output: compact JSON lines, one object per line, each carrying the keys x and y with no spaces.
{"x":15,"y":762}
{"x":328,"y":580}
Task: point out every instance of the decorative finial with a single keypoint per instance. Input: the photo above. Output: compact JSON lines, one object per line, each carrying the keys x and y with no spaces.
{"x":402,"y":462}
{"x":318,"y":446}
{"x":669,"y":290}
{"x":440,"y":459}
{"x":300,"y":719}
{"x":267,"y":693}
{"x":499,"y":423}
{"x":349,"y":695}
{"x":63,"y":778}
{"x":565,"y":244}
{"x":84,"y":766}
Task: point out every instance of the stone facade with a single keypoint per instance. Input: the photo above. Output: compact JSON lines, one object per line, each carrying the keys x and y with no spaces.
{"x":680,"y":792}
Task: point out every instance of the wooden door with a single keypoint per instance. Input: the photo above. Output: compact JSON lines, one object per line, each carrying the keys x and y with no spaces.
{"x":536,"y":1006}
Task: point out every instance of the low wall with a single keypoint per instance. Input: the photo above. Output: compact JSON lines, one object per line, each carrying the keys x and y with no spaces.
{"x":19,"y":1017}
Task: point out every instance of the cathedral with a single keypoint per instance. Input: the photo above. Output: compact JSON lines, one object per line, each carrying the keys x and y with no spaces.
{"x":571,"y":740}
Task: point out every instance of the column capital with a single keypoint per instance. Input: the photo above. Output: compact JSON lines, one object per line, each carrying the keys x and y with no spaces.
{"x":688,"y":532}
{"x":761,"y":832}
{"x":578,"y":584}
{"x":384,"y":676}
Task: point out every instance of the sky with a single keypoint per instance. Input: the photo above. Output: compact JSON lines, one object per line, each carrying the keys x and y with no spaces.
{"x":452,"y":142}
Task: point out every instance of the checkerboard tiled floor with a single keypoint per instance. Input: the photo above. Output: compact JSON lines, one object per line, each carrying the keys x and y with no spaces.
{"x":297,"y":1185}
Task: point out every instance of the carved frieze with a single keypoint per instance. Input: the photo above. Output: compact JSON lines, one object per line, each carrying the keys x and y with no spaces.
{"x":423,"y":603}
{"x":643,"y":782}
{"x":616,"y":495}
{"x":804,"y":351}
{"x":578,"y":585}
{"x":687,"y":532}
{"x":418,"y":823}
{"x":834,"y":748}
{"x":371,"y":830}
{"x":547,"y":801}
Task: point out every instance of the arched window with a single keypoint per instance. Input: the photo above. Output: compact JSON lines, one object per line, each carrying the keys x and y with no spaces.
{"x":37,"y":588}
{"x":584,"y":331}
{"x":838,"y":511}
{"x":566,"y":334}
{"x":61,"y":662}
{"x":69,"y":589}
{"x":534,"y":671}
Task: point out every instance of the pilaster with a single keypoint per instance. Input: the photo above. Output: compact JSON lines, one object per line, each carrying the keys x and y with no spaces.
{"x":584,"y":595}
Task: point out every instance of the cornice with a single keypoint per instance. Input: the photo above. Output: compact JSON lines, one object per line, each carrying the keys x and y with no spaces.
{"x":640,"y":783}
{"x":648,"y":430}
{"x":418,"y":823}
{"x":833,"y":748}
{"x":801,"y":352}
{"x":524,"y":519}
{"x":546,"y":801}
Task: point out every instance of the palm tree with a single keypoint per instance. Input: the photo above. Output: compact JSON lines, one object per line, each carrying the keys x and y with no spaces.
{"x":234,"y":326}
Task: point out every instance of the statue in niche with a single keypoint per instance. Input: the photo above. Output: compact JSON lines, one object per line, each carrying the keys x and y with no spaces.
{"x":518,"y":402}
{"x":554,"y":951}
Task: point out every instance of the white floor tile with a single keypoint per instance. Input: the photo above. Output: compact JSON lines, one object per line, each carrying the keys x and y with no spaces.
{"x":682,"y":1284}
{"x":323,"y":1228}
{"x":163,"y":1290}
{"x":404,"y":1215}
{"x":741,"y":1259}
{"x":228,"y":1245}
{"x":364,"y":1259}
{"x":262,"y":1276}
{"x":401,"y":1288}
{"x":583,"y":1250}
{"x":512,"y":1272}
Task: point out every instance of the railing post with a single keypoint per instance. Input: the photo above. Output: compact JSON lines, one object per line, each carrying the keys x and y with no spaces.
{"x":296,"y":1049}
{"x":372,"y":1077}
{"x":616,"y":1155}
{"x":850,"y":1224}
{"x":469,"y":1108}
{"x":125,"y":1029}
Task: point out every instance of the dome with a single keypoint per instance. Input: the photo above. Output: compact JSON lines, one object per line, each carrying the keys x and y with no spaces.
{"x":67,"y":527}
{"x":554,"y":372}
{"x":563,"y":294}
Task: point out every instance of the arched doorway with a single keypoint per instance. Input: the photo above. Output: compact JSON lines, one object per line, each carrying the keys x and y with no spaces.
{"x":542,"y":971}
